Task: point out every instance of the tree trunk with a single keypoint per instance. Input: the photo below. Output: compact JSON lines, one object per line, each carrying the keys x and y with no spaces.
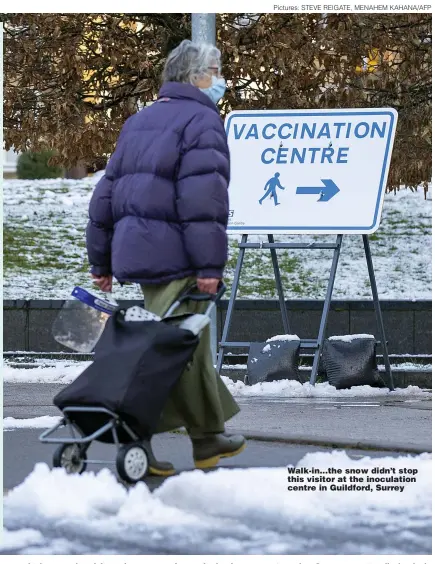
{"x":76,"y":172}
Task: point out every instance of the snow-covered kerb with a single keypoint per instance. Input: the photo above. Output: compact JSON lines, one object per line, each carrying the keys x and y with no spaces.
{"x":44,"y":422}
{"x":293,"y":389}
{"x":66,"y":372}
{"x":60,"y":372}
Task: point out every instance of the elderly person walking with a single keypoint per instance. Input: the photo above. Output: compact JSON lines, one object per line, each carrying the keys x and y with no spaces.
{"x":158,"y":218}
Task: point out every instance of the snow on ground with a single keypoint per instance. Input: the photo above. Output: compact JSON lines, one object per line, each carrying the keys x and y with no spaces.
{"x":408,"y":366}
{"x":13,"y":540}
{"x":404,"y":366}
{"x":293,"y":389}
{"x":44,"y":422}
{"x":66,"y":372}
{"x":57,"y":372}
{"x":216,"y":513}
{"x":44,"y":254}
{"x":32,"y":542}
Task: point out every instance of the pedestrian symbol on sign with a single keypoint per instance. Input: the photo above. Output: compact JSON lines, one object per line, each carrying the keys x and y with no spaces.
{"x":271,"y":186}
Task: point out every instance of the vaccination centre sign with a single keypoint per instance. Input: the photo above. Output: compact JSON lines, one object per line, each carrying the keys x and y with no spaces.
{"x":309,"y":171}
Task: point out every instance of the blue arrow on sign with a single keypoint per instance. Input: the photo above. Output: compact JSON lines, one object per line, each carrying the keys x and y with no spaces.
{"x":327,"y":191}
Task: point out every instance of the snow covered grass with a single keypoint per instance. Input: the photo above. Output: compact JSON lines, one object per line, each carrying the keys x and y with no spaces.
{"x":405,"y":232}
{"x":44,"y":223}
{"x":217,"y":513}
{"x":66,"y":372}
{"x":44,"y":252}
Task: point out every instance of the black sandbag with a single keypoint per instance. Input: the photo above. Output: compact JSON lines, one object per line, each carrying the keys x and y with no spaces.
{"x":276,"y":360}
{"x":350,"y":361}
{"x":136,"y":366}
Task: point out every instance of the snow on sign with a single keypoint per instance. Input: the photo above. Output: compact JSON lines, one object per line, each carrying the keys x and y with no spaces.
{"x":309,"y":171}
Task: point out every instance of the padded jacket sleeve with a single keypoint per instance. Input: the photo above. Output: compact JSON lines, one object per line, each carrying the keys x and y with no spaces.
{"x":202,"y":194}
{"x":99,"y":231}
{"x":100,"y":228}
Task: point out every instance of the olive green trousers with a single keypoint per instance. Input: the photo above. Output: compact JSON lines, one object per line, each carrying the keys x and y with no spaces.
{"x":200,"y":402}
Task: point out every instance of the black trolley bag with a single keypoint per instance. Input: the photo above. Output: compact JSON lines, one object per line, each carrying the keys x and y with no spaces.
{"x":119,"y":398}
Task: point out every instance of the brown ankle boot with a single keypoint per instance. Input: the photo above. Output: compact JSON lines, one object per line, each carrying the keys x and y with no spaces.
{"x":211,"y":447}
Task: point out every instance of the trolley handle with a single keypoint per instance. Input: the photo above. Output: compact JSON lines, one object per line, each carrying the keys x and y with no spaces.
{"x":202,"y":297}
{"x":198,"y":297}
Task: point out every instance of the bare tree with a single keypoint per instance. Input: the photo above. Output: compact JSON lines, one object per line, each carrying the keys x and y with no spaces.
{"x":71,"y":80}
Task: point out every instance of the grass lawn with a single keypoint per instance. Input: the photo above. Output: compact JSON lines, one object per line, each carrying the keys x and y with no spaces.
{"x":45,"y":257}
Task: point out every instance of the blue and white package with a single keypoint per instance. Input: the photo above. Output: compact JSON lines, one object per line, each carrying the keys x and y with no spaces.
{"x":81,"y":322}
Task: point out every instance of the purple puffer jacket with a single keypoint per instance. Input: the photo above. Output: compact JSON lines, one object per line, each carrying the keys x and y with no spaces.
{"x":160,"y":212}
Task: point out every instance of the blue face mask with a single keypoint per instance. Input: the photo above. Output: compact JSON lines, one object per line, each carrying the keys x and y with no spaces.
{"x":217,"y":89}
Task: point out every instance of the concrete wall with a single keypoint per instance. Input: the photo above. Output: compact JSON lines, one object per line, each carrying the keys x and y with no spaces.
{"x":408,"y":324}
{"x":10,"y":159}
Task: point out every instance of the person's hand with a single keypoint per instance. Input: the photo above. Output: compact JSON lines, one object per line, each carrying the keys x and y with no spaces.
{"x":208,"y":285}
{"x":103,"y":282}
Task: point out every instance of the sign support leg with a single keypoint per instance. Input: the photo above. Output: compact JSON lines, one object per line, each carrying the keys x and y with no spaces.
{"x":231,"y":303}
{"x":278,"y":282}
{"x":325,"y":312}
{"x":378,"y":311}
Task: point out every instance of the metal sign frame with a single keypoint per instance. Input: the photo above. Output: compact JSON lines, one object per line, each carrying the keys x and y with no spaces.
{"x":311,"y":344}
{"x":204,"y":29}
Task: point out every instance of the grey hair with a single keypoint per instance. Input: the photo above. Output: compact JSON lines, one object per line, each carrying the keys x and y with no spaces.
{"x":190,"y":61}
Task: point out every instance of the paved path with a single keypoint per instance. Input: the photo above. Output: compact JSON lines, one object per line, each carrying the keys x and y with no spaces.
{"x":288,"y":429}
{"x":22,"y":450}
{"x":383,"y":423}
{"x":231,"y":535}
{"x":380,"y":423}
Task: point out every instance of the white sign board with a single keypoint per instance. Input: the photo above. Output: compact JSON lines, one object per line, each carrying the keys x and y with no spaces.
{"x":309,"y":171}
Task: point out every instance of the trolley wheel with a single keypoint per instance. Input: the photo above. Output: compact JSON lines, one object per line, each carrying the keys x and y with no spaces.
{"x":71,"y":458}
{"x":132,"y":463}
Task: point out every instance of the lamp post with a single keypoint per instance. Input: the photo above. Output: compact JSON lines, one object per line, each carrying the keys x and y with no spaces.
{"x":204,"y":31}
{"x":204,"y":28}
